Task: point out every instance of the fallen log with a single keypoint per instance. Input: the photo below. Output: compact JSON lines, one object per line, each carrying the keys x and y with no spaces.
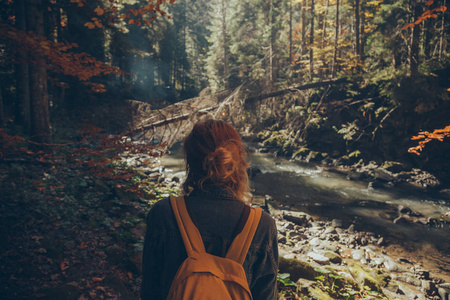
{"x":172,"y":119}
{"x":297,"y":88}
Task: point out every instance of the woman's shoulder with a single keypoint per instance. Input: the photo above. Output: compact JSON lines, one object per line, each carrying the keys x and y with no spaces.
{"x":161,"y":214}
{"x":267,"y":222}
{"x":266,"y":231}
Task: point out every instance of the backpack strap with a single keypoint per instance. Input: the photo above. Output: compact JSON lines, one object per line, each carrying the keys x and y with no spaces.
{"x":239,"y":247}
{"x":191,"y":236}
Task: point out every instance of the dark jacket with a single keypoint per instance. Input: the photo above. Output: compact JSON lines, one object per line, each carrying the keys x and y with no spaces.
{"x":216,"y":213}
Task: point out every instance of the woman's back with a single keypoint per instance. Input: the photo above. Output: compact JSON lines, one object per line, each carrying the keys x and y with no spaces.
{"x":218,"y":183}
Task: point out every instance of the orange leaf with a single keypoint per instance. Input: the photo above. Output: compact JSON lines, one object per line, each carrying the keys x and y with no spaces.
{"x":97,"y":279}
{"x":429,"y":2}
{"x":116,"y":224}
{"x":64,"y":265}
{"x":124,"y":16}
{"x":89,"y":25}
{"x":100,"y":11}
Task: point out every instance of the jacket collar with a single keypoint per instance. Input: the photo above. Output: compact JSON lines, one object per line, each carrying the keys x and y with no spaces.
{"x":214,"y":192}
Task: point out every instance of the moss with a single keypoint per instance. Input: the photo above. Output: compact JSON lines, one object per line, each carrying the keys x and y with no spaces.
{"x":356,"y":153}
{"x":297,"y":269}
{"x":366,"y":278}
{"x":319,"y":294}
{"x":303,"y":151}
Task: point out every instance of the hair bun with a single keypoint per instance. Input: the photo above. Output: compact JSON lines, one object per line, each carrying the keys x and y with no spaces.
{"x":220,"y":163}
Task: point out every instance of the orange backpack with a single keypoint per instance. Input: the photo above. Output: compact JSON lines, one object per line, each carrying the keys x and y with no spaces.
{"x":205,"y":276}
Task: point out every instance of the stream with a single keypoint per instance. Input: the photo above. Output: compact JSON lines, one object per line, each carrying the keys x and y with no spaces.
{"x":329,"y":195}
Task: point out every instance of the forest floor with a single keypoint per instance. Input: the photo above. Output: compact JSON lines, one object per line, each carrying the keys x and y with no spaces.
{"x":71,"y":227}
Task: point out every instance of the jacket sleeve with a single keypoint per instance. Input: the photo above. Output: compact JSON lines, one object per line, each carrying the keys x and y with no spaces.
{"x":151,"y":262}
{"x":265,"y":286}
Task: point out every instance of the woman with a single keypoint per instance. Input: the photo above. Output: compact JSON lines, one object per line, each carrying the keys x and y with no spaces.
{"x":217,"y":187}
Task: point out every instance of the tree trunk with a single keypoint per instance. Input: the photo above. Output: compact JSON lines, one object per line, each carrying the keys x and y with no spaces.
{"x":311,"y":42}
{"x":40,"y":118}
{"x":324,"y":24}
{"x":362,"y":32}
{"x":303,"y":16}
{"x":2,"y":112}
{"x":225,"y":43}
{"x":441,"y":38}
{"x":414,"y":53}
{"x":336,"y":36}
{"x":357,"y":35}
{"x":290,"y":32}
{"x":22,"y":75}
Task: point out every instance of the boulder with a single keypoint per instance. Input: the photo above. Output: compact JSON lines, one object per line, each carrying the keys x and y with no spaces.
{"x":297,"y":268}
{"x":297,"y":217}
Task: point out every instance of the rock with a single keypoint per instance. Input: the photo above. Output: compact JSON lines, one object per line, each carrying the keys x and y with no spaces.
{"x":392,"y":266}
{"x":297,"y":269}
{"x":299,"y":218}
{"x":404,"y":210}
{"x":330,"y":230}
{"x":319,"y":258}
{"x":289,"y":226}
{"x":403,"y":219}
{"x":333,"y":257}
{"x":281,"y":239}
{"x":374,"y":185}
{"x":304,"y":285}
{"x":383,"y":175}
{"x":408,"y":292}
{"x":358,"y":254}
{"x":351,"y":229}
{"x":444,"y":292}
{"x":423,"y":274}
{"x":409,"y":278}
{"x":423,"y":221}
{"x":315,"y":242}
{"x":428,"y":287}
{"x":365,"y":278}
{"x":336,"y":223}
{"x":317,"y":293}
{"x":357,"y":176}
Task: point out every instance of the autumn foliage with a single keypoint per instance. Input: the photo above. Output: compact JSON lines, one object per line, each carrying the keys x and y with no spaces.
{"x":431,"y":13}
{"x":97,"y":152}
{"x":59,"y":57}
{"x":425,"y":137}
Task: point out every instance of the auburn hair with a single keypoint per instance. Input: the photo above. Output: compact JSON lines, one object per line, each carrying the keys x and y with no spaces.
{"x":215,"y":156}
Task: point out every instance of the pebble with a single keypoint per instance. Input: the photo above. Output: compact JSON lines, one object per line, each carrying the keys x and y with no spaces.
{"x":315,"y":242}
{"x":319,"y":258}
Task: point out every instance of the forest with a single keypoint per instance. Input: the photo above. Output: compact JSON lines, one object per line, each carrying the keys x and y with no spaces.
{"x":96,"y":94}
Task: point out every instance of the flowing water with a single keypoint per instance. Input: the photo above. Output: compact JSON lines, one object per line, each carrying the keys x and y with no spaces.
{"x":323,"y":194}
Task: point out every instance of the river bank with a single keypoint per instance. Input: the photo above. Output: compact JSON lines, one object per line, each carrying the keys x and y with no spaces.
{"x":312,"y":247}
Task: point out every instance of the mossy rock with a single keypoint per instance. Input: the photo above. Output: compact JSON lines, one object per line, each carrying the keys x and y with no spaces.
{"x":319,"y":294}
{"x":303,"y":151}
{"x":297,"y":269}
{"x":334,"y":257}
{"x":367,"y":277}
